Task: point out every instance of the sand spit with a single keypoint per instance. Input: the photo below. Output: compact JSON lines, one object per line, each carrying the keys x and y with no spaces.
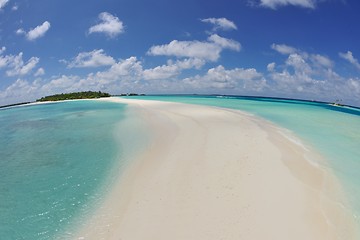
{"x":212,"y":173}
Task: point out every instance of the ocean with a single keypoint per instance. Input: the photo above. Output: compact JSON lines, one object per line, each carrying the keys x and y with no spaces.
{"x":59,"y":160}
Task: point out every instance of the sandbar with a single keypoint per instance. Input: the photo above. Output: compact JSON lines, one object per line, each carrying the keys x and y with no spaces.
{"x":213,"y":173}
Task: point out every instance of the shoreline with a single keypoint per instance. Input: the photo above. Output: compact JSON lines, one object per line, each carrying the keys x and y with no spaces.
{"x":181,"y":187}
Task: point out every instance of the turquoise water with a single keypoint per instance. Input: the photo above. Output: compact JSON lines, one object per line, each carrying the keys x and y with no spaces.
{"x":333,"y":131}
{"x":56,"y":163}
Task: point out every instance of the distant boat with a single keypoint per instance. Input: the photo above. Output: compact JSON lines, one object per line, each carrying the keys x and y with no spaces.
{"x":337,"y":103}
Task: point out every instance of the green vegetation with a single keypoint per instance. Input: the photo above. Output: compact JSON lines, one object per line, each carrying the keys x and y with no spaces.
{"x":72,"y":96}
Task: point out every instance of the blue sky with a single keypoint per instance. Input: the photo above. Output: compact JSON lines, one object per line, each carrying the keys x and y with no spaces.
{"x":305,"y":49}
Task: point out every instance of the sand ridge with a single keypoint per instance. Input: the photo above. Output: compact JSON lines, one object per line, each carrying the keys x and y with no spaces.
{"x":213,"y":173}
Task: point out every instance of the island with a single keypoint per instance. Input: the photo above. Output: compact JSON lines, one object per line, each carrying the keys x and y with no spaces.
{"x":74,"y":95}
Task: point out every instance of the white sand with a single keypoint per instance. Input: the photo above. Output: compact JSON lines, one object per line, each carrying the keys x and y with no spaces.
{"x":213,"y":173}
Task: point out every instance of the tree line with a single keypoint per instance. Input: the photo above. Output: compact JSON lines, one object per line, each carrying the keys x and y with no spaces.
{"x":74,"y":95}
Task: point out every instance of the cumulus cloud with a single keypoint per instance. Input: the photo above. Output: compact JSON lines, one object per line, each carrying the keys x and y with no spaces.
{"x":321,"y":60}
{"x":192,"y":49}
{"x":39,"y":72}
{"x":299,"y":64}
{"x":5,"y":60}
{"x":17,"y":91}
{"x":283,"y":48}
{"x":242,"y":80}
{"x":172,"y":69}
{"x":220,"y":24}
{"x":15,"y":64}
{"x":129,"y":75}
{"x":19,"y":67}
{"x":317,"y":59}
{"x":301,"y":75}
{"x":309,"y":75}
{"x":36,"y":32}
{"x":161,"y":72}
{"x":207,"y":50}
{"x":20,"y":31}
{"x":274,"y":4}
{"x":3,"y":3}
{"x":350,"y":58}
{"x":354,"y":85}
{"x":95,"y":58}
{"x":109,"y":25}
{"x":271,"y":66}
{"x":61,"y":84}
{"x":225,"y":43}
{"x":127,"y":68}
{"x":39,"y":31}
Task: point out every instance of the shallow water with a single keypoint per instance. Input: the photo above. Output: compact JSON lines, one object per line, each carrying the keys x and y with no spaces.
{"x":57,"y":162}
{"x":332,"y":131}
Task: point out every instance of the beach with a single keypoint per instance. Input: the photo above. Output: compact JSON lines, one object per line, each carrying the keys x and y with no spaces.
{"x":214,"y":173}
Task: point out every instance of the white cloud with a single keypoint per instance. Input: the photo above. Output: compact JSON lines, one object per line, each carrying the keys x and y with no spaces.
{"x":4,"y":60}
{"x":209,"y":50}
{"x":38,"y":32}
{"x":172,"y":69}
{"x":15,"y":64}
{"x":126,"y":75}
{"x":109,"y":25}
{"x":301,"y":75}
{"x":190,"y":63}
{"x":297,"y":57}
{"x":274,"y":4}
{"x":20,"y":31}
{"x":225,"y":43}
{"x":283,"y":49}
{"x":3,"y":3}
{"x":354,"y":85}
{"x":18,"y":67}
{"x":39,"y":72}
{"x":220,"y":23}
{"x":95,"y":58}
{"x":35,"y":33}
{"x":310,"y":76}
{"x":299,"y":64}
{"x":128,"y":68}
{"x":161,"y":72}
{"x":61,"y":84}
{"x":238,"y":79}
{"x":271,"y":66}
{"x":321,"y":60}
{"x":19,"y":89}
{"x":350,"y":58}
{"x":192,"y":49}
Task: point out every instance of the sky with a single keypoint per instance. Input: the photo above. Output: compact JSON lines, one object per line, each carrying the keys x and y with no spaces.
{"x":304,"y":49}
